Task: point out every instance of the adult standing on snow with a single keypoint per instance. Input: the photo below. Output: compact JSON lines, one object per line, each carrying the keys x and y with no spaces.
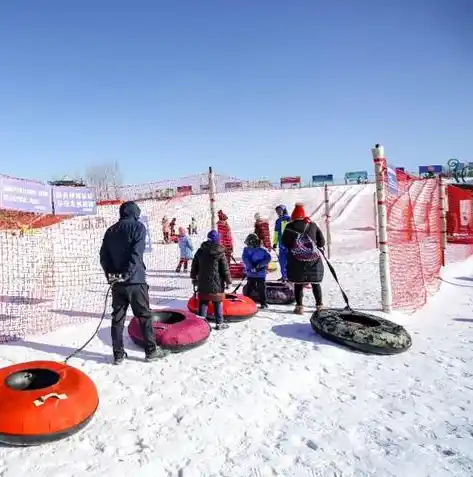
{"x":303,"y":238}
{"x":122,"y":254}
{"x":281,"y":222}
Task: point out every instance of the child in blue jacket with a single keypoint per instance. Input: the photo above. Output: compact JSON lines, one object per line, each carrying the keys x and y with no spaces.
{"x":256,"y":260}
{"x":186,"y":250}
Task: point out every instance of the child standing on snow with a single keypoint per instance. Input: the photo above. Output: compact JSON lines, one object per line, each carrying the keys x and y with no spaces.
{"x":186,"y":250}
{"x":172,"y":226}
{"x":193,"y":227}
{"x":166,"y":229}
{"x":256,"y":260}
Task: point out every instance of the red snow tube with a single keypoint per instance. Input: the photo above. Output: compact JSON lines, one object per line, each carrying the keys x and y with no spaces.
{"x":237,"y":270}
{"x":235,"y":307}
{"x":175,"y":330}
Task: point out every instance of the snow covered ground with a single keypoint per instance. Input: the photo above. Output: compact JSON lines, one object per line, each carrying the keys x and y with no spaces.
{"x":268,"y":397}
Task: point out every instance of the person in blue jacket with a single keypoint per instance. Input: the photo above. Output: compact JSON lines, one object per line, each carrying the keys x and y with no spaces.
{"x":256,"y":260}
{"x":281,"y":222}
{"x":186,"y":250}
{"x":122,"y":254}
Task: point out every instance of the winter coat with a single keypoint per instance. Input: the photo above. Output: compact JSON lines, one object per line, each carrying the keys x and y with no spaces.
{"x":186,"y":249}
{"x":123,"y":246}
{"x":297,"y":271}
{"x":165,"y":224}
{"x":262,"y":231}
{"x":210,"y":270}
{"x":256,"y":258}
{"x":226,"y":240}
{"x":279,"y":226}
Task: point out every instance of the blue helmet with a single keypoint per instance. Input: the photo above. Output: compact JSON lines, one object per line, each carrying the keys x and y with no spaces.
{"x":283,"y":208}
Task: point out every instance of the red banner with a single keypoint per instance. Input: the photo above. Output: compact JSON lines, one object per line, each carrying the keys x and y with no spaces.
{"x":291,"y":180}
{"x":184,"y":190}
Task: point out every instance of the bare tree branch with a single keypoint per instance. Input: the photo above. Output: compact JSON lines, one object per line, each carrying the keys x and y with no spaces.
{"x":106,"y":178}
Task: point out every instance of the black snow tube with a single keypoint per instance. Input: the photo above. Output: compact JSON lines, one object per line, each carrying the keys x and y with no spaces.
{"x":361,"y":331}
{"x":277,"y":293}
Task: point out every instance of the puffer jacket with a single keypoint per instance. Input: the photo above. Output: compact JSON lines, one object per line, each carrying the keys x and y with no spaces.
{"x":210,"y":270}
{"x":123,"y":246}
{"x":262,"y":231}
{"x":279,"y":227}
{"x":256,"y":258}
{"x":297,"y":271}
{"x":186,"y":249}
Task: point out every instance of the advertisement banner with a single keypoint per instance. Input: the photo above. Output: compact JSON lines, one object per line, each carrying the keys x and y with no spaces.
{"x":148,"y":244}
{"x":25,"y":196}
{"x":204,"y":187}
{"x":400,"y":169}
{"x":392,"y":180}
{"x":291,"y":180}
{"x":233,"y":185}
{"x":435,"y":169}
{"x":356,"y":176}
{"x":74,"y":201}
{"x":184,"y":190}
{"x":322,"y":179}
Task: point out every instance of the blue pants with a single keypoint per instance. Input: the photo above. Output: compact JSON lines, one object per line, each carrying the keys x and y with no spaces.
{"x":282,"y":257}
{"x":218,"y":310}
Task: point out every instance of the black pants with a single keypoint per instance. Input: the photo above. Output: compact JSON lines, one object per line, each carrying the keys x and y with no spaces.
{"x":257,"y":285}
{"x":135,"y":295}
{"x":299,"y":292}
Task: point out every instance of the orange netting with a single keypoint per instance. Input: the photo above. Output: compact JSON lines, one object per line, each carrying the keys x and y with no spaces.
{"x":414,"y":238}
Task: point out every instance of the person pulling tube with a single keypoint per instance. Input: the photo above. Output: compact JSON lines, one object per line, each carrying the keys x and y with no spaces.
{"x":304,"y":240}
{"x":121,"y":257}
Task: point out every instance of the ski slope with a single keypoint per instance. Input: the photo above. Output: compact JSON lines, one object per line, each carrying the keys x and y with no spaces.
{"x":267,"y":397}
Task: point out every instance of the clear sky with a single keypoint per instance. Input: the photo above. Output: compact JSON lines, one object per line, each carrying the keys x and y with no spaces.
{"x":256,"y":88}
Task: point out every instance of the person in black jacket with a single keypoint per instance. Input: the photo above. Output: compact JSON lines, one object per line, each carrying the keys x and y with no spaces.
{"x":122,"y":254}
{"x":210,"y":275}
{"x":302,"y":272}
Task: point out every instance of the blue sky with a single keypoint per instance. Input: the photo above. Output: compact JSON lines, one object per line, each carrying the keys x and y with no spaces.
{"x":256,"y":88}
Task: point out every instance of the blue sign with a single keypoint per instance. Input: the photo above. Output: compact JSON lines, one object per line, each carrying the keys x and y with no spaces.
{"x":148,"y":246}
{"x":322,"y":178}
{"x":392,"y":180}
{"x":437,"y":169}
{"x":74,"y":201}
{"x":356,"y":175}
{"x":25,"y":196}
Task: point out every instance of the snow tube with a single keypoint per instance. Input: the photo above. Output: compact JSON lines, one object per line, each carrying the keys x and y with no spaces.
{"x":237,"y":270}
{"x":277,"y":293}
{"x":361,"y":331}
{"x":235,"y":307}
{"x":44,"y":401}
{"x":175,"y":330}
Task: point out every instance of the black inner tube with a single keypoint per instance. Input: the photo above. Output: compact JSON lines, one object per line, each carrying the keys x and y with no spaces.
{"x":32,"y":379}
{"x":359,"y":319}
{"x":168,"y":317}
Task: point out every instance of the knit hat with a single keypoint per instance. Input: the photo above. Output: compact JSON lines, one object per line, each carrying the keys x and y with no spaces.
{"x":222,"y":215}
{"x":282,"y":207}
{"x":213,"y":236}
{"x":252,"y":241}
{"x":182,"y":231}
{"x":299,"y":212}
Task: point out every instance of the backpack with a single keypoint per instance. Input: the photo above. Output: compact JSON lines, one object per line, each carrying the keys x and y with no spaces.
{"x":304,"y":248}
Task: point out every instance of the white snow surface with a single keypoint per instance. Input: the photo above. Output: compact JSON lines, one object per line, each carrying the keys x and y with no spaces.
{"x":268,"y":397}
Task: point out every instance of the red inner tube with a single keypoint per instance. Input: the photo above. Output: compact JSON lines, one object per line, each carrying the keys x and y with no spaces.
{"x":43,"y":401}
{"x":175,"y":330}
{"x":235,"y":307}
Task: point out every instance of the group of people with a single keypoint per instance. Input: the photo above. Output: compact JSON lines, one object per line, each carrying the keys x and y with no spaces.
{"x":300,"y":243}
{"x":169,"y":228}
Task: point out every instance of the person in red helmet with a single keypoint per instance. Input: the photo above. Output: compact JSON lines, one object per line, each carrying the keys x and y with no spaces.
{"x":304,"y":240}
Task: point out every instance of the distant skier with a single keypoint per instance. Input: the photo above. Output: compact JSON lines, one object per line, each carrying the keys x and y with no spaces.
{"x":281,"y":222}
{"x":186,"y":250}
{"x":225,"y":234}
{"x":193,"y":227}
{"x":172,"y":226}
{"x":262,"y":231}
{"x":166,"y":229}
